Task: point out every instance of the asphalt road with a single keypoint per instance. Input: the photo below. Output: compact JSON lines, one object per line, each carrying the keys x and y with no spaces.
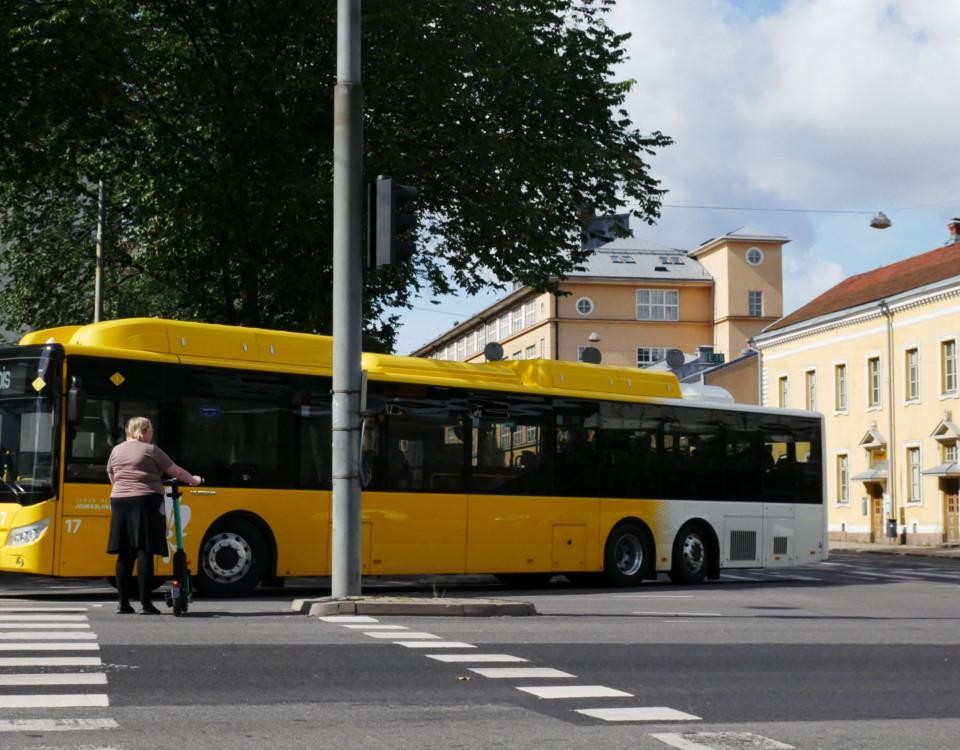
{"x":861,"y":652}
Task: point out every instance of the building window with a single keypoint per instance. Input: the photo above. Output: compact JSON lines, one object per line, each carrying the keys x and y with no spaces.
{"x":492,"y":333}
{"x":530,"y":313}
{"x":949,"y":453}
{"x":913,"y":467}
{"x":810,"y":382}
{"x":840,"y":387}
{"x":648,"y":355}
{"x":782,"y":392}
{"x":843,"y":479}
{"x":948,"y":366}
{"x":754,"y":256}
{"x":531,"y":352}
{"x":516,"y":320}
{"x":584,"y":305}
{"x":912,"y":381}
{"x":461,"y":349}
{"x":755,"y":304}
{"x":873,"y":381}
{"x":504,"y":327}
{"x":658,"y":304}
{"x":481,"y":338}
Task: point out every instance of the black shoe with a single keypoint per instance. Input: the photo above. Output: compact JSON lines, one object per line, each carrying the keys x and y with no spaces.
{"x":149,"y":609}
{"x":124,"y":609}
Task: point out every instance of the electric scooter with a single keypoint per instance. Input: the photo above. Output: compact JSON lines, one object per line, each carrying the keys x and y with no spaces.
{"x":180,"y":592}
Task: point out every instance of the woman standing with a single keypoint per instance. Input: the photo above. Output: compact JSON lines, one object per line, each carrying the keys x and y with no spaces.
{"x":138,"y":528}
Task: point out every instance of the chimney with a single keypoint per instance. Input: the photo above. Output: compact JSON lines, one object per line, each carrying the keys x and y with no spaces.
{"x":954,"y":226}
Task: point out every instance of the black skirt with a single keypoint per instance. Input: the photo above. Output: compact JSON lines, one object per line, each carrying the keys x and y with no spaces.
{"x":138,"y":523}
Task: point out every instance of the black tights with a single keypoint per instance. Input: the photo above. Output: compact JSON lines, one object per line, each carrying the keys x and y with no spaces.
{"x":144,"y":562}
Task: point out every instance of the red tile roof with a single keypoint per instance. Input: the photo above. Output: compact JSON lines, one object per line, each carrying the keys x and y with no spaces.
{"x":912,"y":273}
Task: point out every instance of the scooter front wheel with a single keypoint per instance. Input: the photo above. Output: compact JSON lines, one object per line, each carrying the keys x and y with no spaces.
{"x":179,"y":606}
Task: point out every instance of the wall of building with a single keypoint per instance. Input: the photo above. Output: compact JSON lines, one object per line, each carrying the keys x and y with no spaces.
{"x":920,"y":324}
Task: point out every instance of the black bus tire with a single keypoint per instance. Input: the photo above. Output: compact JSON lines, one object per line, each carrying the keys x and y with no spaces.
{"x":628,"y":555}
{"x":233,"y":559}
{"x":691,"y":555}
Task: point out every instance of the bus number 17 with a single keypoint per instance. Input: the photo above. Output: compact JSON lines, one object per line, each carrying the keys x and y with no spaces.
{"x":73,"y":525}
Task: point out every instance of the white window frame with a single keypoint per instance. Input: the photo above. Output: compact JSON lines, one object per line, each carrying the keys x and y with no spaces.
{"x":530,"y":352}
{"x":651,"y":352}
{"x":950,"y":452}
{"x":948,"y":367}
{"x":750,"y":251}
{"x":481,"y":338}
{"x":529,"y":313}
{"x":587,"y":304}
{"x":755,"y":303}
{"x":840,"y":387}
{"x":493,"y":332}
{"x":461,"y":348}
{"x":914,"y":479}
{"x":842,"y":478}
{"x":503,"y":324}
{"x":516,"y":319}
{"x":810,"y":389}
{"x":911,"y":379}
{"x":658,"y":304}
{"x":783,"y":391}
{"x":873,"y":404}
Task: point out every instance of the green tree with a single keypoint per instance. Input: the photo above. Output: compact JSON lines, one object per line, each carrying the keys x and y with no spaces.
{"x":211,"y":125}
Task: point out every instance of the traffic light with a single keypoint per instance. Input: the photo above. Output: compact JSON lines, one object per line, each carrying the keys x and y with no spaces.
{"x":390,"y":222}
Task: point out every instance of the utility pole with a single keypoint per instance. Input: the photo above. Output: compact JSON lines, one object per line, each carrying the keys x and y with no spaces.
{"x":98,"y":271}
{"x":347,"y":302}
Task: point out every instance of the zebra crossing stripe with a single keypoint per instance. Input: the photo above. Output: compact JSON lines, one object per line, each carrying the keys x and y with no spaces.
{"x":410,"y":636}
{"x":49,"y":646}
{"x":50,"y":661}
{"x":638,"y":713}
{"x":339,"y":619}
{"x":47,"y":636}
{"x":366,"y":626}
{"x":473,"y":658}
{"x":512,"y":673}
{"x":43,"y":609}
{"x":5,"y":626}
{"x":55,"y":725}
{"x":69,"y":700}
{"x":432,"y":644}
{"x":574,"y":691}
{"x":36,"y":618}
{"x":51,"y":678}
{"x":718,"y":740}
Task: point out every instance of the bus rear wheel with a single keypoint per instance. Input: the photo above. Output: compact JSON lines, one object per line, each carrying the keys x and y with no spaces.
{"x":233,"y":559}
{"x":628,"y":556}
{"x":691,"y":555}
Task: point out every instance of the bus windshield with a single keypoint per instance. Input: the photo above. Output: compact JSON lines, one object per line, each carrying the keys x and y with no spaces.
{"x":27,"y":409}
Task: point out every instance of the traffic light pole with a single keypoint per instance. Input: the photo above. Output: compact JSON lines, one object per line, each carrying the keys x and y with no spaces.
{"x":347,"y":302}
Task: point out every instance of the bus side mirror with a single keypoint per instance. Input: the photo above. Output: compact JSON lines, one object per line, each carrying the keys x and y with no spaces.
{"x":76,"y":401}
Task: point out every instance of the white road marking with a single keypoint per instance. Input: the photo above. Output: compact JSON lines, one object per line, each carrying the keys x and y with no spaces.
{"x":50,"y":661}
{"x":44,"y":625}
{"x":347,"y":618}
{"x":42,"y":609}
{"x":434,"y":644}
{"x":680,"y":614}
{"x":720,"y":740}
{"x":639,"y":713}
{"x":412,"y":635}
{"x":47,"y":636}
{"x":575,"y":691}
{"x":36,"y":618}
{"x":368,"y":626}
{"x":49,"y":646}
{"x":55,"y":725}
{"x":473,"y":657}
{"x":516,"y":673}
{"x":71,"y":700}
{"x":54,"y":678}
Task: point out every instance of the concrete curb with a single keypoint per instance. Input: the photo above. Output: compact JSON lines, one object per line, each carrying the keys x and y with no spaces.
{"x":435,"y":607}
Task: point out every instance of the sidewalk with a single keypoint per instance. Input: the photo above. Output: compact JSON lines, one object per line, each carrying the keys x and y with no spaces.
{"x":912,"y":550}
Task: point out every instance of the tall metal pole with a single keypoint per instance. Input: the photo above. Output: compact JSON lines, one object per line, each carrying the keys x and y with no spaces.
{"x":98,"y":271}
{"x":347,"y":302}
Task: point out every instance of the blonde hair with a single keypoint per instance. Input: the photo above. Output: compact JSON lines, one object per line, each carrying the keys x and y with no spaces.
{"x":136,"y":426}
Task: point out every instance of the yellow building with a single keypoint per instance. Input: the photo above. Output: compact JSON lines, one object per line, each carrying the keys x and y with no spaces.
{"x":877,"y":355}
{"x":632,"y":302}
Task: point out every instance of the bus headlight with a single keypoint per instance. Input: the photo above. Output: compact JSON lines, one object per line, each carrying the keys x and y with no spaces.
{"x":27,"y":534}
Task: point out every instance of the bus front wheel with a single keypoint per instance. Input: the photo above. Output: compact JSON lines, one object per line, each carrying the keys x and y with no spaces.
{"x":233,"y":559}
{"x":628,"y":556}
{"x":691,"y":555}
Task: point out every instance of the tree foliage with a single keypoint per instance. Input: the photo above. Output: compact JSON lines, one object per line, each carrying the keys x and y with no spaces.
{"x":211,"y":126}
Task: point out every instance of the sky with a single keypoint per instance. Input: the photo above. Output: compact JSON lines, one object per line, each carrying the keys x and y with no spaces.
{"x":816,"y":108}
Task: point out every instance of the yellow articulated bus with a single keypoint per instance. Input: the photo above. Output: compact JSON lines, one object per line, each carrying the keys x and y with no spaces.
{"x":519,"y":468}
